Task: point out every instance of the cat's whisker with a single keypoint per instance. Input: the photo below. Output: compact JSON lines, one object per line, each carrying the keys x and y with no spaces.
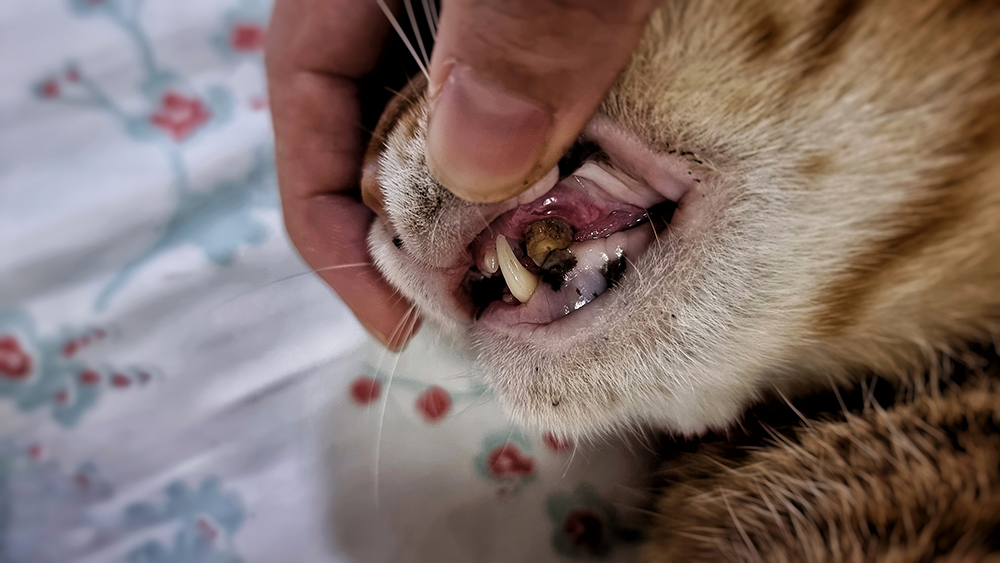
{"x":572,"y":456}
{"x":435,"y":15}
{"x":510,"y":433}
{"x":797,"y":412}
{"x":624,"y":438}
{"x":437,"y":341}
{"x":486,"y":223}
{"x":408,"y":96}
{"x":642,"y":435}
{"x":431,"y":17}
{"x":287,"y":278}
{"x":334,"y":267}
{"x":634,"y":269}
{"x":398,"y":298}
{"x":402,"y":35}
{"x":410,"y":318}
{"x":416,"y":30}
{"x":656,"y":235}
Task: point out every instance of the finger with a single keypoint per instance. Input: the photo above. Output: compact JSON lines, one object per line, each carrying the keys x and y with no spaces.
{"x":513,"y":82}
{"x":316,"y":50}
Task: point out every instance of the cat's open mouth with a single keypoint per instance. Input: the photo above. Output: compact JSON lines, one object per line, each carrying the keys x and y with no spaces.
{"x":552,"y":256}
{"x":546,"y":259}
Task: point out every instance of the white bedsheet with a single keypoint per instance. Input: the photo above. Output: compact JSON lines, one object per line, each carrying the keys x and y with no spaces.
{"x":172,"y":390}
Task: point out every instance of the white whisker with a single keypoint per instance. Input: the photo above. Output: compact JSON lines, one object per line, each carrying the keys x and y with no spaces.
{"x":407,"y":319}
{"x":416,"y":30}
{"x":656,"y":235}
{"x":487,"y":224}
{"x":572,"y":456}
{"x":406,"y":41}
{"x":431,"y":18}
{"x":434,"y":14}
{"x":291,"y":277}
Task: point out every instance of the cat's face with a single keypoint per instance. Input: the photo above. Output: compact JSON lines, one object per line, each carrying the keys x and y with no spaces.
{"x":772,"y":196}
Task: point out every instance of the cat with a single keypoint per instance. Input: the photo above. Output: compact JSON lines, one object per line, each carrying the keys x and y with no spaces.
{"x":775,"y":201}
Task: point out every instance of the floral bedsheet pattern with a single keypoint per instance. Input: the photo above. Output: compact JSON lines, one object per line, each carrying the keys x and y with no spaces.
{"x":175,"y":386}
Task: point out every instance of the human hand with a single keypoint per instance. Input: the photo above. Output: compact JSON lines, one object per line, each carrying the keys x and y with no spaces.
{"x":316,"y":51}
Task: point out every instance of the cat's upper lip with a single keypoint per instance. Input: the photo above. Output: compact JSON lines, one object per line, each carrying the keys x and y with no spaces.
{"x":577,"y":201}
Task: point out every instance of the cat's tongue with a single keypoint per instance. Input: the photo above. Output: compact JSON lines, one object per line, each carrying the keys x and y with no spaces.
{"x":577,"y":201}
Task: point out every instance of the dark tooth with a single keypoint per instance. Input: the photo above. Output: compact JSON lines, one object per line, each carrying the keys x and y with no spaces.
{"x":614,"y":270}
{"x":556,"y":266}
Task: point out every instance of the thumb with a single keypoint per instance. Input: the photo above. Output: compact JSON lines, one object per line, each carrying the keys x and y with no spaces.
{"x":513,"y":82}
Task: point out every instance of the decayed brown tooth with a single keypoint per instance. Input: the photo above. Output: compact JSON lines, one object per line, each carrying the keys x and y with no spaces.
{"x":521,"y":282}
{"x":542,"y":237}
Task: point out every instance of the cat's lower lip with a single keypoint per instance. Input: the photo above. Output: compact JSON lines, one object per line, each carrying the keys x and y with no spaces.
{"x":604,"y":264}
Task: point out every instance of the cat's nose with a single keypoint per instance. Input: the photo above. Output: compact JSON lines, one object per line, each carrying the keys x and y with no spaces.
{"x":371,"y":190}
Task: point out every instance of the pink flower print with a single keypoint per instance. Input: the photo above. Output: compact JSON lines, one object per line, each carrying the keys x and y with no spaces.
{"x":584,"y":529}
{"x":586,"y":525}
{"x":71,"y":347}
{"x":364,"y":390}
{"x":433,"y":404}
{"x":207,"y":529}
{"x":90,"y":377}
{"x":180,"y":116}
{"x":49,"y":88}
{"x":82,"y":481}
{"x":506,"y":460}
{"x":14,"y":362}
{"x":556,"y":444}
{"x":246,"y":37}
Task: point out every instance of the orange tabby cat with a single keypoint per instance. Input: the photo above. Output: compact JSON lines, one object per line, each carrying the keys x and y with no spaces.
{"x":776,"y":200}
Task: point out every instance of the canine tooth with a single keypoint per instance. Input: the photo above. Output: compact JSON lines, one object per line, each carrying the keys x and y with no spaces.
{"x":490,"y":265}
{"x":544,"y":236}
{"x":521,"y":282}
